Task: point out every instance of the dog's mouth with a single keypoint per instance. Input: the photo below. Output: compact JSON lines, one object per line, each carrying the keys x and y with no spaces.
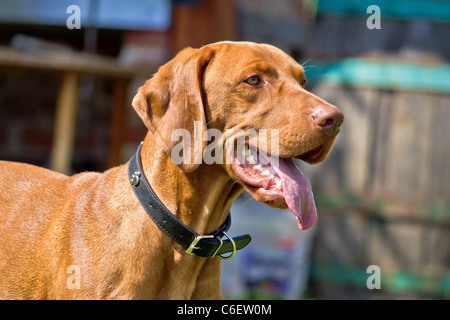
{"x":278,"y":182}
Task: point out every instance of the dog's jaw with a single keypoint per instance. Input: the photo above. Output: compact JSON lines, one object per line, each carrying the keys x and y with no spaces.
{"x":276,"y":182}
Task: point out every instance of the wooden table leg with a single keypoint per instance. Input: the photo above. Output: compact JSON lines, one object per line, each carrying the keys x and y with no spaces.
{"x":65,"y":123}
{"x":118,"y":121}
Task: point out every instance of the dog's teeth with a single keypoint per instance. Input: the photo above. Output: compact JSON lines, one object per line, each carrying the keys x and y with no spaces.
{"x":251,"y":159}
{"x":245,"y":151}
{"x":266,"y":173}
{"x":279,"y":185}
{"x":258,"y":167}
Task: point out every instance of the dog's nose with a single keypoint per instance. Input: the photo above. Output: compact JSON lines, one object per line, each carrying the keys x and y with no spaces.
{"x":329,"y":119}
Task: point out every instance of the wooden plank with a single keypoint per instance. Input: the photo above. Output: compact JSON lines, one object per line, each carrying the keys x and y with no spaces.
{"x":440,"y":150}
{"x":65,"y":62}
{"x":407,"y":166}
{"x":381,"y":118}
{"x":65,"y":123}
{"x":358,"y":134}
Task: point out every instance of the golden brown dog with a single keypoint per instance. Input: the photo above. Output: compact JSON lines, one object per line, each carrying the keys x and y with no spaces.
{"x":87,"y":236}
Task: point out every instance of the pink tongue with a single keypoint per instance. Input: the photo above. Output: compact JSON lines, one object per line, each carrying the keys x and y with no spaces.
{"x":297,"y":193}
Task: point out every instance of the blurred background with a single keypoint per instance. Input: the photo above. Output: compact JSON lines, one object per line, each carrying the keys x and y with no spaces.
{"x":68,"y":75}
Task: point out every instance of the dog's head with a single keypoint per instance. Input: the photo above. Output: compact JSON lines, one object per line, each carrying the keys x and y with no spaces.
{"x":242,"y":106}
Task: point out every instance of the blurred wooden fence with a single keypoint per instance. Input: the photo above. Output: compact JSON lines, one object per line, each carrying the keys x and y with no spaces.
{"x":383,"y":194}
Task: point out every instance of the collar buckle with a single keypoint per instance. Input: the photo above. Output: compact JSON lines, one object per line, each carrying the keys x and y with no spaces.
{"x":233,"y":244}
{"x":197,"y":239}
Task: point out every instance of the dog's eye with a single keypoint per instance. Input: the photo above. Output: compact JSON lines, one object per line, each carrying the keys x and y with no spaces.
{"x":253,"y":80}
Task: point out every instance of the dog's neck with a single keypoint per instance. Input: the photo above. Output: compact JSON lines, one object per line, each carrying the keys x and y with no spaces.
{"x":200,"y":199}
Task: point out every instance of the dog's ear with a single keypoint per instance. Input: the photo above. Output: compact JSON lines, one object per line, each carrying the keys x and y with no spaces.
{"x":172,"y":100}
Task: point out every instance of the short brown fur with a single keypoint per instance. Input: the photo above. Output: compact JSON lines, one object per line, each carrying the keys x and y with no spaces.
{"x":49,"y":221}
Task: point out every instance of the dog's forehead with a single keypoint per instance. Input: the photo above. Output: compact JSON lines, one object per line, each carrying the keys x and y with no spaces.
{"x":240,"y":55}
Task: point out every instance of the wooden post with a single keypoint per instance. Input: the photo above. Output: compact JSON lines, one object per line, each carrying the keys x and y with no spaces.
{"x":65,"y":123}
{"x":203,"y":23}
{"x":118,"y":121}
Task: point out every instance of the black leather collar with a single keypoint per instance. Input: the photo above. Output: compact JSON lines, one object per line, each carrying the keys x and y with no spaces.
{"x":204,"y":246}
